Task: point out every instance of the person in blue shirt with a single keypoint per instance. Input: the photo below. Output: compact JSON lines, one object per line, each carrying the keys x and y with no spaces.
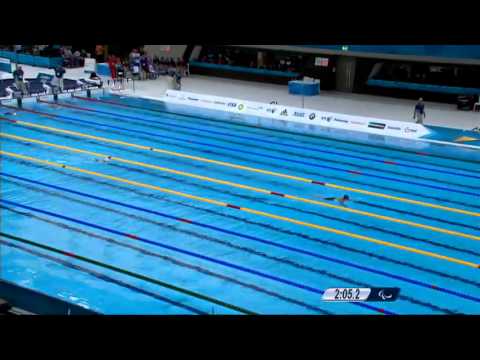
{"x":419,"y":113}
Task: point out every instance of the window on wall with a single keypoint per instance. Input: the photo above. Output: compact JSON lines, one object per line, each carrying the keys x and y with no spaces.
{"x":434,"y":74}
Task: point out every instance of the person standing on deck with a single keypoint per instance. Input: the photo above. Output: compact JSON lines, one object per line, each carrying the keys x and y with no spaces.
{"x":19,"y":83}
{"x":419,"y":112}
{"x":59,"y":72}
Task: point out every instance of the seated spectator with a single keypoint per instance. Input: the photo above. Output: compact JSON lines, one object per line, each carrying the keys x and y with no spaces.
{"x":112,"y":61}
{"x":77,"y":59}
{"x":120,"y":69}
{"x":145,"y":69}
{"x":68,"y":57}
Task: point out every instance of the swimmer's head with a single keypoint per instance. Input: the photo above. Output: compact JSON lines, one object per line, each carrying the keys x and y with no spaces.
{"x":346,"y":197}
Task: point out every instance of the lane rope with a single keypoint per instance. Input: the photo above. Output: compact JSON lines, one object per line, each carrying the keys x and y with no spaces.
{"x":251,"y":211}
{"x":245,"y":187}
{"x":274,"y":157}
{"x":192,"y":254}
{"x":249,"y":237}
{"x":104,"y":277}
{"x":394,"y":163}
{"x":245,"y":168}
{"x":127,"y":272}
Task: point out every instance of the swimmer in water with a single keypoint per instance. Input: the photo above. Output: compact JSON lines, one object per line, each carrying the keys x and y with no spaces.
{"x":11,"y":113}
{"x":342,"y":200}
{"x":104,"y":160}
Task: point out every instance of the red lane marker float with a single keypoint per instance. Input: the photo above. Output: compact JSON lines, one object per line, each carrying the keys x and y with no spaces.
{"x":132,"y":236}
{"x":422,"y":153}
{"x":9,"y":120}
{"x":186,"y":221}
{"x":390,"y":162}
{"x":234,"y":206}
{"x":276,"y":193}
{"x":354,"y":172}
{"x":318,"y":182}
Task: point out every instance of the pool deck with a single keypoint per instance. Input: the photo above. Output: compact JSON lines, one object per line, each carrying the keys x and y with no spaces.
{"x":446,"y":122}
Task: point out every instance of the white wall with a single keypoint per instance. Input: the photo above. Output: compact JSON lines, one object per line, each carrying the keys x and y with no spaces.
{"x":160,"y":50}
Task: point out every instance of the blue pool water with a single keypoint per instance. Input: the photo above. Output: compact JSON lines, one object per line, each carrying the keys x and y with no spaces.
{"x":275,"y":258}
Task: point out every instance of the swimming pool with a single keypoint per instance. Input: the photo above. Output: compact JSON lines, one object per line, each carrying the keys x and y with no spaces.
{"x":117,"y":205}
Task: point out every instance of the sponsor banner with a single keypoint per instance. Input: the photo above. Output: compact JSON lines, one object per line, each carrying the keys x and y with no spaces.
{"x":5,"y":65}
{"x":375,"y":125}
{"x":298,"y":116}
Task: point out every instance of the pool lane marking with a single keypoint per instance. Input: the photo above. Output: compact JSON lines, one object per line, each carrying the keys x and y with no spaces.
{"x":246,"y":187}
{"x":380,"y":161}
{"x":242,"y":167}
{"x":201,"y":270}
{"x":249,"y":237}
{"x":103,"y":277}
{"x":193,"y":254}
{"x":251,"y":211}
{"x":129,"y":273}
{"x":274,"y":157}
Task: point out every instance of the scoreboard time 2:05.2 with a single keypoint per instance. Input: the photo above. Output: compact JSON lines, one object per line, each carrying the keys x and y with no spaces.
{"x":361,"y":294}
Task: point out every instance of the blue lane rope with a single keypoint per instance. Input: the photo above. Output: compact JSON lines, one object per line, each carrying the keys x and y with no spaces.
{"x":253,"y":238}
{"x":106,"y":278}
{"x":285,"y":145}
{"x":192,"y":254}
{"x":267,"y":156}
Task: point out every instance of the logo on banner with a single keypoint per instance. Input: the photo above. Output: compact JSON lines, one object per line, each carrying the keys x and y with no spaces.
{"x":409,"y":130}
{"x":299,"y":114}
{"x":394,"y":128}
{"x":193,"y":99}
{"x":357,"y":122}
{"x":219,"y":103}
{"x":327,"y":118}
{"x":272,"y":110}
{"x":284,"y":113}
{"x":375,"y":125}
{"x":341,"y":120}
{"x":312,"y":116}
{"x":232,"y":104}
{"x":241,"y":107}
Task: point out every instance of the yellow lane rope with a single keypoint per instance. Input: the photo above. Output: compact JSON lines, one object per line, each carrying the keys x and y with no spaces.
{"x":242,"y":186}
{"x":248,"y":210}
{"x":251,"y":169}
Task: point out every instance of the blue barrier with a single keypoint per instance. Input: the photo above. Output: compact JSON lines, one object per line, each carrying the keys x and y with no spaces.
{"x":55,"y":62}
{"x":27,"y":59}
{"x":245,"y":70}
{"x":103,"y":70}
{"x":424,"y":87}
{"x":305,"y":88}
{"x":5,"y":65}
